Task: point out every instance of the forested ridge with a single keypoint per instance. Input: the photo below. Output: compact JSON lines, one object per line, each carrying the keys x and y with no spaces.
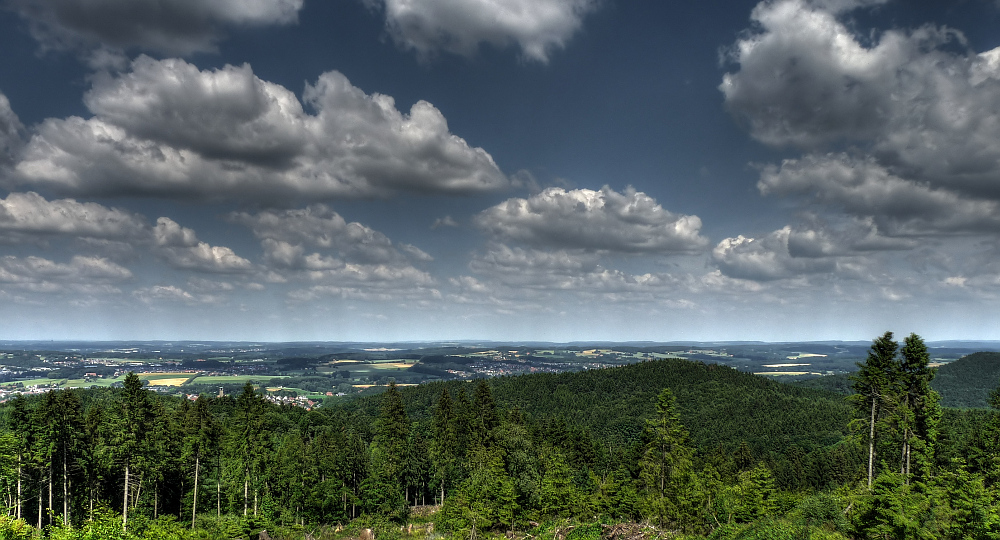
{"x":679,"y":449}
{"x":964,"y":383}
{"x":717,"y":404}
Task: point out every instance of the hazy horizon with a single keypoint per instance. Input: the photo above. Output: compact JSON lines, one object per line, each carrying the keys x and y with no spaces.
{"x":527,"y":170}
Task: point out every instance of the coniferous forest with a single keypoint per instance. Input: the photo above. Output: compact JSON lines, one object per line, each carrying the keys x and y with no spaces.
{"x":659,"y":449}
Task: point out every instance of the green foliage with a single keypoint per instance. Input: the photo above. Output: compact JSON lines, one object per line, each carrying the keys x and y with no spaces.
{"x":105,"y":525}
{"x":968,"y":381}
{"x":14,"y":529}
{"x":558,"y":495}
{"x":510,"y":452}
{"x":487,"y":500}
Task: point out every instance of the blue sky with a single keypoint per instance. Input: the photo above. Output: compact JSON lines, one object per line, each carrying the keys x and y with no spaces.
{"x":500,"y":169}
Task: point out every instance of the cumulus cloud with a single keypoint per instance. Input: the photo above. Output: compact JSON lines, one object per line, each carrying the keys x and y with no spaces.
{"x":29,"y":215}
{"x":510,"y":271}
{"x":11,"y":133}
{"x":898,"y":130}
{"x":917,"y":101}
{"x":765,"y":259}
{"x":81,"y":274}
{"x":339,"y":258}
{"x":538,"y":27}
{"x":159,"y":294}
{"x":446,"y":221}
{"x":168,"y":26}
{"x":605,"y":220}
{"x":180,"y":247}
{"x":168,"y":129}
{"x":286,"y":234}
{"x":862,"y":187}
{"x":805,"y":78}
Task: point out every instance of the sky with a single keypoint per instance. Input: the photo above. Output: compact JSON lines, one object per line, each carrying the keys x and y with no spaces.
{"x":544,"y":170}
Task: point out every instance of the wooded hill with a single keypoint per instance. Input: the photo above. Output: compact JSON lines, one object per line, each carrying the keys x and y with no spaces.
{"x":964,"y":383}
{"x":717,"y":404}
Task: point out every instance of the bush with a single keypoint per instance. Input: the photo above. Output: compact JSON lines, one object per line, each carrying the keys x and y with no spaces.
{"x":14,"y":529}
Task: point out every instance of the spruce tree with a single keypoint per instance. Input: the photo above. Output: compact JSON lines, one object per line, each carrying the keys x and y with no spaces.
{"x":134,"y":420}
{"x":873,"y":387}
{"x":665,"y":467}
{"x":444,"y":445}
{"x":201,"y":435}
{"x":922,"y":409}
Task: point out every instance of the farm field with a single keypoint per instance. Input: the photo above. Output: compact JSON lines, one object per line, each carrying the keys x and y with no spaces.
{"x":231,"y":379}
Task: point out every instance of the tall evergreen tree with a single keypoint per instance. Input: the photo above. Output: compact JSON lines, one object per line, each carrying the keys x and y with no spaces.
{"x":249,"y":444}
{"x":444,"y":445}
{"x":920,"y":404}
{"x":666,"y":467}
{"x":873,"y":387}
{"x":201,"y":436}
{"x":20,"y":425}
{"x":134,"y":421}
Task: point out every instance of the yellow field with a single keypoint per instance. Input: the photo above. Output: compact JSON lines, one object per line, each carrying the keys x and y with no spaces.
{"x":168,"y":382}
{"x":391,"y":365}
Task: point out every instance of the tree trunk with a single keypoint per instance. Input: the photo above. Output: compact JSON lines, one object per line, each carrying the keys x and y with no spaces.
{"x":871,"y":446}
{"x":51,"y":466}
{"x":902,"y":456}
{"x":246,"y":494}
{"x":907,"y":464}
{"x":138,"y":490}
{"x":65,"y":489}
{"x":194,"y":501}
{"x":39,"y":507}
{"x":125,"y":501}
{"x":19,"y":486}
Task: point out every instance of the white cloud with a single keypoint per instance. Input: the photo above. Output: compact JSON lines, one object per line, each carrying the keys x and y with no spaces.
{"x":159,"y":294}
{"x":86,"y":275}
{"x":630,"y":222}
{"x":11,"y":133}
{"x":285,"y":235}
{"x":862,"y":187}
{"x":167,"y":129}
{"x":318,"y":246}
{"x":169,"y":26}
{"x":180,"y":247}
{"x":766,"y":258}
{"x":513,"y":271}
{"x":917,"y":101}
{"x":28,"y":215}
{"x":446,"y":221}
{"x":538,"y":27}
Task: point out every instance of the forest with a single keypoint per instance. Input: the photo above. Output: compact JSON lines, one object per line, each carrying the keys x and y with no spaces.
{"x":659,"y":449}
